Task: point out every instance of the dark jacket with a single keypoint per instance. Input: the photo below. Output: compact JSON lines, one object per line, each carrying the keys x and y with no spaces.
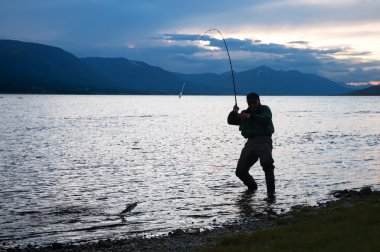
{"x":259,"y":124}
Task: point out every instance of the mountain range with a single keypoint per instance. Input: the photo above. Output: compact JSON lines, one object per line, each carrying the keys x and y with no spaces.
{"x":35,"y":68}
{"x":373,"y":90}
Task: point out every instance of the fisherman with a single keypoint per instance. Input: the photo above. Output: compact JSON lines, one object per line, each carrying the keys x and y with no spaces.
{"x":256,"y":125}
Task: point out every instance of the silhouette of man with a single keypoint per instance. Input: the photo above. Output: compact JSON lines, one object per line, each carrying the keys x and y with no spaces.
{"x":256,"y":125}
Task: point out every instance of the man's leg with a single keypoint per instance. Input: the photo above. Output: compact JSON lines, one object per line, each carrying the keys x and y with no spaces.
{"x":266,"y":161}
{"x":270,"y":181}
{"x":247,"y":159}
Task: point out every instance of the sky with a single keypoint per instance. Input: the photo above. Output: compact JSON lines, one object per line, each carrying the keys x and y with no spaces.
{"x":338,"y":39}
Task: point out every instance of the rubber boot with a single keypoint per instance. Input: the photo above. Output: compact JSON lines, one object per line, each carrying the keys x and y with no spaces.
{"x":250,"y":182}
{"x":269,"y":179}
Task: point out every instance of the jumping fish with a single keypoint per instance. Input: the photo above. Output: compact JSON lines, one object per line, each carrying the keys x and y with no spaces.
{"x":129,"y":208}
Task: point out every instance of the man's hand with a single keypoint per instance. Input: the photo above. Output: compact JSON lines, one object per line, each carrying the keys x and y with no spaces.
{"x":236,"y":108}
{"x":244,"y":116}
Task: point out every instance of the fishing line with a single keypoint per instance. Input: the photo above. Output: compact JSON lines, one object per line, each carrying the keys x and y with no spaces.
{"x":229,"y":58}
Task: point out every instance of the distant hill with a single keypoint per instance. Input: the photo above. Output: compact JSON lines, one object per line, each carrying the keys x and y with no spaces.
{"x":373,"y":90}
{"x":271,"y":82}
{"x":265,"y":81}
{"x":135,"y":76}
{"x":36,"y":68}
{"x":207,"y":83}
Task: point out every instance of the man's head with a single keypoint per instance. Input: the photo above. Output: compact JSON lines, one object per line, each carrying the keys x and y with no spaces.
{"x":253,"y":101}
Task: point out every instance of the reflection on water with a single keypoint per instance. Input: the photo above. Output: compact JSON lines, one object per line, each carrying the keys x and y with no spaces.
{"x":71,"y":164}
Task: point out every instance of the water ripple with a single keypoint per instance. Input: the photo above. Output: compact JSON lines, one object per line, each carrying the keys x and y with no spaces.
{"x":71,"y":164}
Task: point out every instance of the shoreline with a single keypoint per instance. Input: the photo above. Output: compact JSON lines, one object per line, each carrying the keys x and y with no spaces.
{"x":176,"y":240}
{"x":184,"y":240}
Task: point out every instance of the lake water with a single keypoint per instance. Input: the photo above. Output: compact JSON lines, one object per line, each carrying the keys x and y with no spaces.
{"x":70,"y":164}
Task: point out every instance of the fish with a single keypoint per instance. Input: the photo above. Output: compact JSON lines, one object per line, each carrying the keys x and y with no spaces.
{"x":129,"y":207}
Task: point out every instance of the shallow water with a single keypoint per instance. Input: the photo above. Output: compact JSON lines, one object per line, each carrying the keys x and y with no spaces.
{"x":70,"y":164}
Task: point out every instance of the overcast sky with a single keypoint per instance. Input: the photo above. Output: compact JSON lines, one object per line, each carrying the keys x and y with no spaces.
{"x":339,"y":39}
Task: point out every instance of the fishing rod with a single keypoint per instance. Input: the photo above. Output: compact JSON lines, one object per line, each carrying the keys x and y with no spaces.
{"x":229,"y":58}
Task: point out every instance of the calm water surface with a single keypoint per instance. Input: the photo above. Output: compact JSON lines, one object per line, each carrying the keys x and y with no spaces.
{"x":70,"y":164}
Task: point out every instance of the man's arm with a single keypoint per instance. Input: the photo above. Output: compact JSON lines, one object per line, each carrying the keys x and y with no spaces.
{"x":233,"y":118}
{"x":264,"y":117}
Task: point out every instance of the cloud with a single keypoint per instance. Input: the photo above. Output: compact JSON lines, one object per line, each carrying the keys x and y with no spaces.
{"x":338,"y":39}
{"x":248,"y":54}
{"x":248,"y":45}
{"x":299,"y":42}
{"x":184,"y":53}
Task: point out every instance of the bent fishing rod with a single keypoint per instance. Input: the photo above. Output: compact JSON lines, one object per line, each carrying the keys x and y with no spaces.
{"x":229,"y":58}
